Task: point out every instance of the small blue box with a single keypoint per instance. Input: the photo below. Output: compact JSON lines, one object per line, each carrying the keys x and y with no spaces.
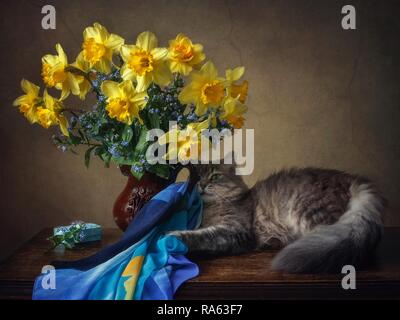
{"x":91,"y":232}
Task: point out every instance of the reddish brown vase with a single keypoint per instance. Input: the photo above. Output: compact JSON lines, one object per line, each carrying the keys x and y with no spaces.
{"x":135,"y":195}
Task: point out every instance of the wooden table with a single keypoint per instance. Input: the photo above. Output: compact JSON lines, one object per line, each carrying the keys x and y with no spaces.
{"x":241,"y":277}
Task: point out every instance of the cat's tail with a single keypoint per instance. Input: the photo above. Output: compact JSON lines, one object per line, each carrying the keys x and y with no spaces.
{"x":328,"y":248}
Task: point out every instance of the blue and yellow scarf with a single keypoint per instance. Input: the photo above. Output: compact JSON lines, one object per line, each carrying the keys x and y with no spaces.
{"x":144,"y":264}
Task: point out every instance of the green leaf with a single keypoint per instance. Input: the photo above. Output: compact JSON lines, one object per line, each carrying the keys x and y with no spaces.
{"x":127,"y":134}
{"x":99,"y":150}
{"x":142,"y":143}
{"x":124,"y":161}
{"x":87,"y":156}
{"x":154,"y":120}
{"x":107,"y":160}
{"x":136,"y":133}
{"x":75,"y":140}
{"x":103,"y":154}
{"x":82,"y":135}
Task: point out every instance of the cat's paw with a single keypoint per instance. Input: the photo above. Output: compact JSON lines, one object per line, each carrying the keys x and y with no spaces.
{"x":177,"y":234}
{"x":181,"y":235}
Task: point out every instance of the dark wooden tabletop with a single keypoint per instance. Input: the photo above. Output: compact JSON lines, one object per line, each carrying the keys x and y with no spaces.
{"x":240,"y":277}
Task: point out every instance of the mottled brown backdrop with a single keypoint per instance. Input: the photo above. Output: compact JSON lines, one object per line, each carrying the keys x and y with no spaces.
{"x":319,"y":95}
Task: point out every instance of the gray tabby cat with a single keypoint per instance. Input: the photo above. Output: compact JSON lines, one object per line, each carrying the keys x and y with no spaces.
{"x":324,"y":219}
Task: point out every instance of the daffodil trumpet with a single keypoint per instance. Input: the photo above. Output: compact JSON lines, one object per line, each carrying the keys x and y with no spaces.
{"x":137,"y":87}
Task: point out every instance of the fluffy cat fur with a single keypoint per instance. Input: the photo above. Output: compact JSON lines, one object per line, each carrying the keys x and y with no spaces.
{"x":323,"y":219}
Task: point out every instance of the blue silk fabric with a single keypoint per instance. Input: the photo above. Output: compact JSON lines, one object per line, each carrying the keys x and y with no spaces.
{"x":144,"y":264}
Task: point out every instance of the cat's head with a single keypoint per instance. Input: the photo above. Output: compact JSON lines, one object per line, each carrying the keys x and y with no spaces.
{"x":219,"y":181}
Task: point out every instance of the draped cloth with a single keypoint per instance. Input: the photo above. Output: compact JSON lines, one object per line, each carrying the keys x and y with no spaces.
{"x":144,"y":264}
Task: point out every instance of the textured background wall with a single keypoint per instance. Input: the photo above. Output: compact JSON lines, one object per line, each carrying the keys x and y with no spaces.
{"x":319,"y":95}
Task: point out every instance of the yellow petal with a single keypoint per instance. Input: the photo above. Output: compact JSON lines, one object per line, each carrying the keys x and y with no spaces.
{"x":182,"y":68}
{"x":126,"y":52}
{"x":162,"y":75}
{"x":209,"y":69}
{"x":65,"y":92}
{"x":110,"y":89}
{"x":92,"y":32}
{"x":188,"y":95}
{"x":139,"y":99}
{"x":159,"y":53}
{"x":239,"y":90}
{"x":127,"y":87}
{"x":81,"y":63}
{"x":50,"y":59}
{"x":101,"y":30}
{"x":127,"y":73}
{"x":229,"y":104}
{"x":63,"y":123}
{"x":44,"y":117}
{"x":198,"y":57}
{"x":103,"y":65}
{"x":48,"y":100}
{"x":174,"y":66}
{"x":198,"y":126}
{"x":232,"y":106}
{"x":235,"y":74}
{"x":198,"y":47}
{"x":89,"y":32}
{"x":236,"y":121}
{"x":61,"y":55}
{"x":31,"y":116}
{"x":201,"y":109}
{"x":17,"y":102}
{"x":29,"y":88}
{"x":185,"y":69}
{"x":143,"y":82}
{"x":147,"y":41}
{"x":84,"y":88}
{"x":73,"y":84}
{"x":114,"y":42}
{"x":100,"y":33}
{"x":180,"y":36}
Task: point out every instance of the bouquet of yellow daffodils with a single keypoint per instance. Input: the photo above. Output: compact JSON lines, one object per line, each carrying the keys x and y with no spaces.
{"x":138,"y":87}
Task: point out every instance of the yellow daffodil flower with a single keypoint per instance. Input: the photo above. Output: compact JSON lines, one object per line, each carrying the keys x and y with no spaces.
{"x":50,"y":114}
{"x":182,"y":141}
{"x":99,"y":46}
{"x":184,"y":55}
{"x":233,"y":111}
{"x":240,"y":90}
{"x":28,"y":102}
{"x":205,"y":90}
{"x":123,"y":102}
{"x":145,"y":63}
{"x":84,"y":84}
{"x":234,"y":89}
{"x":54,"y":74}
